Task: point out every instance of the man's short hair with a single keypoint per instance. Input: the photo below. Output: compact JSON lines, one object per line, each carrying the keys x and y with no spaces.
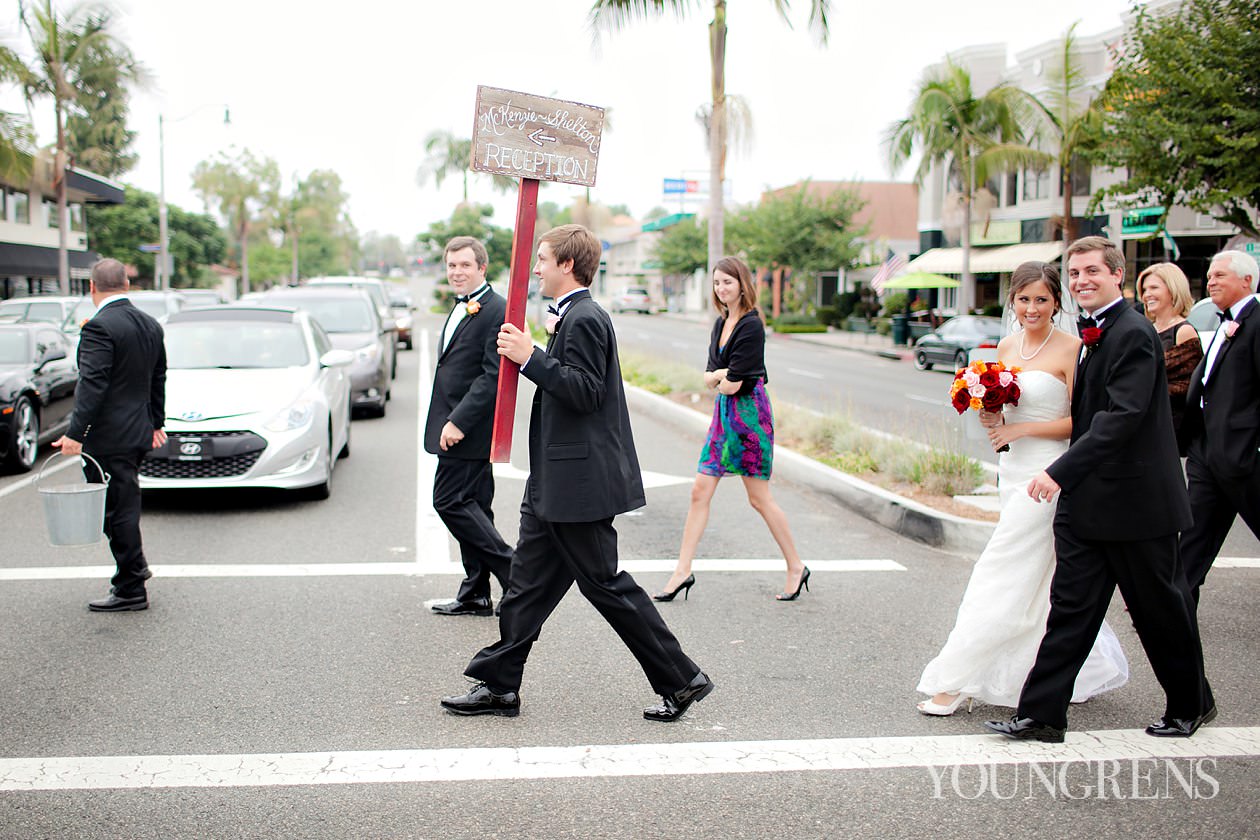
{"x":1242,"y":264}
{"x":109,"y":275}
{"x":459,"y":243}
{"x":574,"y":242}
{"x":1112,"y":257}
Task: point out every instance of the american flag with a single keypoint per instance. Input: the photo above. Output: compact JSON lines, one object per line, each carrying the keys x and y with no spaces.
{"x":891,"y":267}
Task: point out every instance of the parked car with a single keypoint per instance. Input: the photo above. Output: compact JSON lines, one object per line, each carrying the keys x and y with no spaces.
{"x":157,"y":304}
{"x":401,"y":307}
{"x":635,"y":299}
{"x":255,"y":397}
{"x":952,"y":341}
{"x":353,"y":324}
{"x":37,"y":308}
{"x":200,"y":297}
{"x":37,"y":382}
{"x":378,"y":291}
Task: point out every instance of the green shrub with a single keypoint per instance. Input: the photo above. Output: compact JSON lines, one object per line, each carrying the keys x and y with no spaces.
{"x":800,"y":328}
{"x":895,"y":303}
{"x":994,"y":309}
{"x":828,"y":316}
{"x":845,"y":303}
{"x":794,"y":318}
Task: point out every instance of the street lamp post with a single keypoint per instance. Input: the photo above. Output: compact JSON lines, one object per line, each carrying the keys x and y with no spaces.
{"x":161,"y":271}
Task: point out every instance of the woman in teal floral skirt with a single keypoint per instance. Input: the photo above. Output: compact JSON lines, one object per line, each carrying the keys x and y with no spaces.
{"x":741,"y":437}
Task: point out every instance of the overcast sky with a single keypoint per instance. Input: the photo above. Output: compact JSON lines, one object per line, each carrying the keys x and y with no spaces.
{"x":357,"y":89}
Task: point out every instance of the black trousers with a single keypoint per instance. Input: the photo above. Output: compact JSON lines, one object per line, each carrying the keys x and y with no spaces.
{"x":463,"y":492}
{"x":1151,"y":580}
{"x":122,"y":518}
{"x":550,"y":557}
{"x":1214,"y":502}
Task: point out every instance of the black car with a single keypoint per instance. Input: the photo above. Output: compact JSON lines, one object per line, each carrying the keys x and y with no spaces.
{"x":953,"y":340}
{"x":37,"y":382}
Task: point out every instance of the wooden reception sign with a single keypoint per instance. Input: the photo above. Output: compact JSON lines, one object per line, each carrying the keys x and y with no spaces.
{"x":533,"y":138}
{"x":526,"y":136}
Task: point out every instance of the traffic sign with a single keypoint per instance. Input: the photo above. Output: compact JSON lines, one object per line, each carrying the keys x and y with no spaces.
{"x":151,"y":247}
{"x":527,"y":136}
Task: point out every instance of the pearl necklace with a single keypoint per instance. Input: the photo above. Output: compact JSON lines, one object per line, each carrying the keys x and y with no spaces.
{"x":1024,"y":335}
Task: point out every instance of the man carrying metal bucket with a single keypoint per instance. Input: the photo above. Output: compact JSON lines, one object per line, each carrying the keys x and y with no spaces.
{"x":118,"y":416}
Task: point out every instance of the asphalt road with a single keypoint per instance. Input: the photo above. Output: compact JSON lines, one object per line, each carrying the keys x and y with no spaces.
{"x":259,"y":656}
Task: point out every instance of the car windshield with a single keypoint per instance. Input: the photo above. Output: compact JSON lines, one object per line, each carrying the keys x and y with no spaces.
{"x":13,"y":308}
{"x":14,"y":348}
{"x":192,"y":345}
{"x":155,"y":306}
{"x":338,"y":315}
{"x":82,"y":310}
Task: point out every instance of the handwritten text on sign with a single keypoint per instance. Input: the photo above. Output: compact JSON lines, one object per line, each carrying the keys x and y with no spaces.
{"x":527,"y":136}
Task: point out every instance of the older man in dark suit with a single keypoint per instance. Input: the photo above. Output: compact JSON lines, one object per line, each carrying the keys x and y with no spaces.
{"x":458,"y":430}
{"x":1116,"y":525}
{"x":119,"y":412}
{"x":583,"y":472}
{"x":1222,"y":421}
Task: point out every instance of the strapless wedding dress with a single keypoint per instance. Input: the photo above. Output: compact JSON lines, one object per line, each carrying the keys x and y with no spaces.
{"x":1003,"y":613}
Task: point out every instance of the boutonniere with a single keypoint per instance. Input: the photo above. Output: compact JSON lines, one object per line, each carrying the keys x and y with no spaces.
{"x":472,"y":307}
{"x":1090,"y":336}
{"x":1231,"y":327}
{"x":550,"y":324}
{"x":83,"y":323}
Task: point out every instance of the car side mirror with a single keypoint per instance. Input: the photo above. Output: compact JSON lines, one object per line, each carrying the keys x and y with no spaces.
{"x":336,"y":358}
{"x":388,"y":325}
{"x":52,"y":356}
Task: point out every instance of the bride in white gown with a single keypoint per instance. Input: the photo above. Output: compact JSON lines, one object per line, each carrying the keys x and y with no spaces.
{"x":1003,"y":613}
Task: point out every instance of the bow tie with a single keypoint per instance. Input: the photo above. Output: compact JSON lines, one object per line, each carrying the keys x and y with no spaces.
{"x":462,"y":298}
{"x":1224,"y":316}
{"x":1086,"y":321}
{"x":551,"y":310}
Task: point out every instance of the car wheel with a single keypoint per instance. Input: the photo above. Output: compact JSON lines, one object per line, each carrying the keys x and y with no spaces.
{"x":345,"y":449}
{"x":960,"y":359}
{"x":322,"y":491}
{"x":24,"y":442}
{"x":921,"y":361}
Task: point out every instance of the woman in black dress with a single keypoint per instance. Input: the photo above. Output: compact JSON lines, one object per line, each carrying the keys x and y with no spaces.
{"x":1165,"y":294}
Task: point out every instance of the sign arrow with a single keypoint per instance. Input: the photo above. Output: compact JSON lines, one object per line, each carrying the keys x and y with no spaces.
{"x":538,"y":137}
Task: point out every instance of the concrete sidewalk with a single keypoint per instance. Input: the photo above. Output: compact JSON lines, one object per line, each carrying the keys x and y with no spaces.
{"x":872,"y":343}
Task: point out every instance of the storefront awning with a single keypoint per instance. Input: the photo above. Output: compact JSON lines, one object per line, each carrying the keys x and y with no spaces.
{"x":998,"y":260}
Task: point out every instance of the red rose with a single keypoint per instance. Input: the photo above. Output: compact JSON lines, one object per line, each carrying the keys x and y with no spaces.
{"x":961,"y":401}
{"x":1012,"y":394}
{"x":1091,"y":335}
{"x":993,"y":399}
{"x":989,"y":379}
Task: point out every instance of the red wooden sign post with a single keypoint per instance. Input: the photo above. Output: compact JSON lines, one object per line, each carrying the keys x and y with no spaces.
{"x":518,"y":291}
{"x":534,"y":138}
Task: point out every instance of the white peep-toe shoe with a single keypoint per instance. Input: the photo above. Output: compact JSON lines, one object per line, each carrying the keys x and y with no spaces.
{"x":927,"y":707}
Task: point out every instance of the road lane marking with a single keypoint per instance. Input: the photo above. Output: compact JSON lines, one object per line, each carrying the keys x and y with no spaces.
{"x":650,"y":479}
{"x":446,"y":566}
{"x":806,"y":373}
{"x":431,"y":536}
{"x":1236,"y":563}
{"x":928,"y":400}
{"x":605,"y":761}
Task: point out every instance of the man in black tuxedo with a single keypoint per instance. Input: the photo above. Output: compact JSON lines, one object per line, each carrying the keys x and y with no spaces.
{"x":458,"y":430}
{"x":1222,"y":422}
{"x":119,"y":411}
{"x":1123,"y":503}
{"x":583,"y":472}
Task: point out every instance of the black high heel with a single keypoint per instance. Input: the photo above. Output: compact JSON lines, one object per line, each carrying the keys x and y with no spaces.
{"x":784,"y":596}
{"x":684,"y":588}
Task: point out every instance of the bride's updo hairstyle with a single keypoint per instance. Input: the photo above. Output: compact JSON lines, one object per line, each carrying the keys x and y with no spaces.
{"x":1029,"y":273}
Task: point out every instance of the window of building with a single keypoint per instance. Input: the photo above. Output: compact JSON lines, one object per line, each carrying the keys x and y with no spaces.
{"x":1011,"y":195}
{"x":50,"y":213}
{"x":1036,"y":183}
{"x":1080,"y":178}
{"x":76,"y":218}
{"x":21,"y":208}
{"x":4,"y":205}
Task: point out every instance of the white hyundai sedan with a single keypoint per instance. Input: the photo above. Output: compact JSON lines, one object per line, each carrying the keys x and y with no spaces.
{"x":255,"y":397}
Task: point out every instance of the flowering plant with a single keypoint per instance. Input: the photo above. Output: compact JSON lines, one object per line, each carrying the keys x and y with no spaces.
{"x":985,"y":386}
{"x":472,"y":307}
{"x":1231,"y":327}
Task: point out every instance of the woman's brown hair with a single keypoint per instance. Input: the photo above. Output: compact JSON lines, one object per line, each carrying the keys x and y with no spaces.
{"x":736,"y":268}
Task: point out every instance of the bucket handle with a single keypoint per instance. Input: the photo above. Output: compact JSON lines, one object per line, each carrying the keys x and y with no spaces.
{"x":40,"y":474}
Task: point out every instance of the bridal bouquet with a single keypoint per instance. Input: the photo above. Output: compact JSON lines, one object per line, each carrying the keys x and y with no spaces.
{"x":985,"y":386}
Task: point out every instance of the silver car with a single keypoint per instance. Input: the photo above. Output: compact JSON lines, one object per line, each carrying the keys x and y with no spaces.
{"x":352,"y":322}
{"x":255,"y":397}
{"x":379,"y":293}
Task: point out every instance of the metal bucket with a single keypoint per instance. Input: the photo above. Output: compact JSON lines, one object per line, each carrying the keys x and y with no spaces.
{"x":74,"y":513}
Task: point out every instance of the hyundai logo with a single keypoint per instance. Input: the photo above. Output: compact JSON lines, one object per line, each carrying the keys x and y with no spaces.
{"x":191,"y":416}
{"x":190,"y":448}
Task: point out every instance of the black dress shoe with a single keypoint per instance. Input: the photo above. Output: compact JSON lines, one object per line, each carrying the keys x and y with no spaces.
{"x":477,"y":606}
{"x":674,"y":705}
{"x":1180,"y":727}
{"x":1026,"y":729}
{"x":482,"y":701}
{"x":113,"y":603}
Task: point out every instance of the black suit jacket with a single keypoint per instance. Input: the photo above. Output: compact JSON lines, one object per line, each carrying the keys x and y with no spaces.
{"x":465,"y":381}
{"x":1121,"y":477}
{"x":1229,"y":419}
{"x":121,"y":397}
{"x":582,"y":463}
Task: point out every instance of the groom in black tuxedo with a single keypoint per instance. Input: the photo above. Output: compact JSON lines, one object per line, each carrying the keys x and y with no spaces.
{"x":119,"y":411}
{"x":583,"y":471}
{"x":457,"y":431}
{"x":1123,"y":502}
{"x":1222,"y":425}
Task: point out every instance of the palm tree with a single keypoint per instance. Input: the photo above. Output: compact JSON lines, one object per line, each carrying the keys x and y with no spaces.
{"x":614,"y":14}
{"x":448,"y":154}
{"x":1068,"y":111}
{"x":16,"y":137}
{"x":976,"y":136}
{"x":68,"y":49}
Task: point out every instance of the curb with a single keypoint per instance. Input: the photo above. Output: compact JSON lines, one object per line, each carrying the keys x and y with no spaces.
{"x":898,"y":514}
